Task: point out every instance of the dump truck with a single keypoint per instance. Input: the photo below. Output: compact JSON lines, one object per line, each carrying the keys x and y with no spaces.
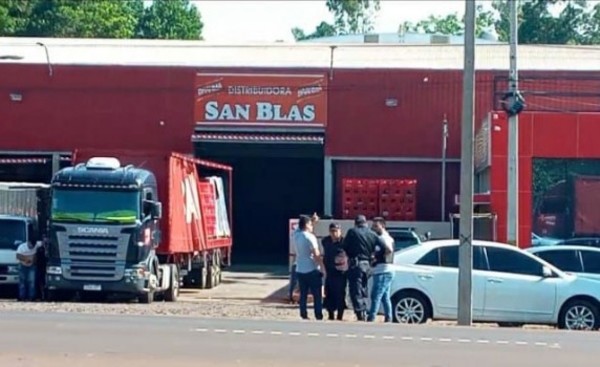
{"x":138,"y":224}
{"x":23,"y":217}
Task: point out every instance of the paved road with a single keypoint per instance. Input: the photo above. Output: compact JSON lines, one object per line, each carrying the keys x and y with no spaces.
{"x":57,"y":339}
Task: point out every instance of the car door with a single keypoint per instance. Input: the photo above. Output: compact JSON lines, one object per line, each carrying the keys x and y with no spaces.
{"x":515,"y":288}
{"x":440,"y":279}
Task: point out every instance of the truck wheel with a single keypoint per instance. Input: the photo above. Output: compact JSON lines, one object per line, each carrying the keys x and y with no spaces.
{"x":218,"y":269}
{"x":210,"y":276}
{"x":202,"y":277}
{"x":173,"y":292}
{"x":146,"y":298}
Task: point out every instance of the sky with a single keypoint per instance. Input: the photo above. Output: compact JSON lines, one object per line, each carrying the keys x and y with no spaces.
{"x":230,"y":21}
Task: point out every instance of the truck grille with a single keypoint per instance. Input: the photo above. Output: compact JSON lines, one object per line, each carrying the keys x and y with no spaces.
{"x":93,"y":257}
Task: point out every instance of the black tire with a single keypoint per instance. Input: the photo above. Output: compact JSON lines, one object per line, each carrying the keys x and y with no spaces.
{"x":579,"y":314}
{"x":196,"y":278}
{"x":421,"y":311}
{"x":200,"y":280}
{"x":146,"y":298}
{"x":172,"y":293}
{"x":210,"y":276}
{"x":218,"y":268}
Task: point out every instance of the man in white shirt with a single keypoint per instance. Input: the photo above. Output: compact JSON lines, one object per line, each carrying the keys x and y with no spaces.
{"x":26,"y":256}
{"x":383,"y":272}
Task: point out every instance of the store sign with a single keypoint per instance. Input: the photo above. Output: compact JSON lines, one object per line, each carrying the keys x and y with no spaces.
{"x":261,"y":99}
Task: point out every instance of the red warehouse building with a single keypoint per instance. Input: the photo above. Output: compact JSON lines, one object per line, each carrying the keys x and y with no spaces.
{"x":559,"y":173}
{"x":293,"y":120}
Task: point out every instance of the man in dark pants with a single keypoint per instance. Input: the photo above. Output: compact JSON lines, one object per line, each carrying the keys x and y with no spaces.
{"x":309,"y":267}
{"x":359,"y":244}
{"x":335,"y":283}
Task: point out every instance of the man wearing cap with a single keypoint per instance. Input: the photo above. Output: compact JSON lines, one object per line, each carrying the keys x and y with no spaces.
{"x":335,"y":282}
{"x":359,"y":244}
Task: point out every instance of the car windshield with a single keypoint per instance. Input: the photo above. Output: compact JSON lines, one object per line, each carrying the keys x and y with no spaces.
{"x":403,"y":240}
{"x":76,"y":205}
{"x":10,"y":231}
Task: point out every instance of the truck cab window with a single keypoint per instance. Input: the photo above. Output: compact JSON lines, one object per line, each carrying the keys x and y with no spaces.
{"x":147,"y":206}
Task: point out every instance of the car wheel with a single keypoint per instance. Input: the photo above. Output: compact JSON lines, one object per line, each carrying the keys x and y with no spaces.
{"x":410,"y":308}
{"x":579,"y":315}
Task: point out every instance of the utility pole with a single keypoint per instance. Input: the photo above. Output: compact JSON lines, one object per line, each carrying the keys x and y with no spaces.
{"x":465,"y":249}
{"x":512,"y":214}
{"x":444,"y":152}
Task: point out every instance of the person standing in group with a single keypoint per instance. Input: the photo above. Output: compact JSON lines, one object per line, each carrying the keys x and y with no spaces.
{"x":359,"y":244}
{"x":309,"y":267}
{"x":26,"y":254}
{"x":383,"y":272}
{"x":293,"y":275}
{"x":336,"y":265}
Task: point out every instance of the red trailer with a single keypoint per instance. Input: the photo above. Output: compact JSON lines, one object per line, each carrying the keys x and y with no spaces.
{"x":196,"y":206}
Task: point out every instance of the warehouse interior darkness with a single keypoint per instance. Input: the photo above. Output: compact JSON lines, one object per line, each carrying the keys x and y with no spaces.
{"x":271,"y":184}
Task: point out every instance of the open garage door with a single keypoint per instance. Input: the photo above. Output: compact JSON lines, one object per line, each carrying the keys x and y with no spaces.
{"x":276,"y":176}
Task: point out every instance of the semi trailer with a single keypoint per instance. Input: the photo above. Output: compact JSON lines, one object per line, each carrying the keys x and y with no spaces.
{"x":138,"y":224}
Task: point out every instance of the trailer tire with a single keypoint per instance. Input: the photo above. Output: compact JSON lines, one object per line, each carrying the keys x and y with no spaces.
{"x":173,"y":291}
{"x":210,"y":276}
{"x":217,"y":268}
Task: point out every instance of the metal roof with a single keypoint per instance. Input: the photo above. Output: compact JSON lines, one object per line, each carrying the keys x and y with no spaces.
{"x":395,"y":38}
{"x":362,"y":56}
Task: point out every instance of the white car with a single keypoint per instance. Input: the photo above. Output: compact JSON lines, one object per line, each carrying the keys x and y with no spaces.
{"x":510,"y":287}
{"x":582,"y":261}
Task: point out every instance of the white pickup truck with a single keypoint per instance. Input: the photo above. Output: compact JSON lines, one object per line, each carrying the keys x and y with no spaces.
{"x":23,"y":213}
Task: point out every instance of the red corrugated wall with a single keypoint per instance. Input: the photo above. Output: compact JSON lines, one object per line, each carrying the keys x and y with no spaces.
{"x":96,"y":107}
{"x":541,"y":135}
{"x":360,"y":123}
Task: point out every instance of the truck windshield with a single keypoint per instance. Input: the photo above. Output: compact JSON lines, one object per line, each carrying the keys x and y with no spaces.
{"x":10,"y":231}
{"x":95,"y":206}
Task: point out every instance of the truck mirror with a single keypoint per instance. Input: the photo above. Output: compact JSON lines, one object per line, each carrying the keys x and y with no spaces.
{"x":156,"y":210}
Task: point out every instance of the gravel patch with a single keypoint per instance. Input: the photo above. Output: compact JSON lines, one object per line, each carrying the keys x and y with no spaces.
{"x":242,"y":309}
{"x":204,"y":308}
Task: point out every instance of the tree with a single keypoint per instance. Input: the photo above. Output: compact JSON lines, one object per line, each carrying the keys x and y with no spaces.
{"x":353,"y":16}
{"x":72,"y":18}
{"x":171,"y":19}
{"x":452,"y":24}
{"x":350,"y":17}
{"x":540,"y":22}
{"x":323,"y":30}
{"x":14,"y":16}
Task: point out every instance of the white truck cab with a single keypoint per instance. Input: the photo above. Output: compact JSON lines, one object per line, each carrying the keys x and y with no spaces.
{"x":14,"y":230}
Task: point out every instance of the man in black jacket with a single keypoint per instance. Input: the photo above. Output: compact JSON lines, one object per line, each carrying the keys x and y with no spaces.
{"x":359,"y":244}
